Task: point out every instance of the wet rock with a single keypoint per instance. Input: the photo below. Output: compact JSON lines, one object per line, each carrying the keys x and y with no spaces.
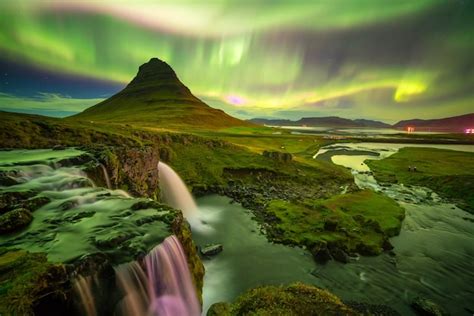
{"x":141,"y":205}
{"x":15,"y":220}
{"x":68,"y":205}
{"x":339,"y":255}
{"x":372,"y":309}
{"x":212,"y":249}
{"x":426,"y":307}
{"x":7,"y":181}
{"x":387,"y":245}
{"x":219,"y":309}
{"x":320,"y":252}
{"x":9,"y":200}
{"x":35,"y":203}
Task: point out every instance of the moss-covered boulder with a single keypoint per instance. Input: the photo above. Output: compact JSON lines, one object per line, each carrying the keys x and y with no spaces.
{"x":15,"y":220}
{"x":295,"y":299}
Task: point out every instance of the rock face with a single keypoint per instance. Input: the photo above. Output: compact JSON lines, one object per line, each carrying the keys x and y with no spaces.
{"x":296,"y":299}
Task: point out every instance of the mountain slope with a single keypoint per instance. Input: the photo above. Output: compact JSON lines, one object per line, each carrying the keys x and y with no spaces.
{"x":329,"y":121}
{"x":452,"y":124}
{"x":156,"y":97}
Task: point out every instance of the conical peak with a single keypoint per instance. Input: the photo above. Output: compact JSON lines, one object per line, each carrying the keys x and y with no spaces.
{"x":153,"y":71}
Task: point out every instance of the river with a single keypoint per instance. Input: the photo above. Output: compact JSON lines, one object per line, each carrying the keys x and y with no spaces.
{"x":432,"y":257}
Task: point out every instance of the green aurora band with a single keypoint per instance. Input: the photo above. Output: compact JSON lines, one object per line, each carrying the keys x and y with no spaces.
{"x":370,"y":58}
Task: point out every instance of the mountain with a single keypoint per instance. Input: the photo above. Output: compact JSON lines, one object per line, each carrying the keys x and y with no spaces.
{"x":156,"y":97}
{"x":329,"y":121}
{"x":448,"y":124}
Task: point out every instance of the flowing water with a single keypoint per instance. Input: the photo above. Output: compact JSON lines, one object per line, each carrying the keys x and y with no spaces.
{"x":76,"y":218}
{"x":163,"y":287}
{"x":433,"y":253}
{"x":174,"y":191}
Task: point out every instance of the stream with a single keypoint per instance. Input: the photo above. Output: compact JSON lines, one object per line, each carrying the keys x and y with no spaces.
{"x":432,"y":257}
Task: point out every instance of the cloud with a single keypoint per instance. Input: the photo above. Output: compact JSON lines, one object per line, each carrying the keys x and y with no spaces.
{"x":50,"y":104}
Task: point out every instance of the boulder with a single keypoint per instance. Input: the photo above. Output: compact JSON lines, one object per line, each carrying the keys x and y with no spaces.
{"x":212,"y":249}
{"x":15,"y":220}
{"x":7,"y":181}
{"x":320,"y":252}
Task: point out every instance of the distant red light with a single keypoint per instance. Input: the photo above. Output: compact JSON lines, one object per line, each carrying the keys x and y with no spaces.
{"x":469,"y":131}
{"x":410,"y":129}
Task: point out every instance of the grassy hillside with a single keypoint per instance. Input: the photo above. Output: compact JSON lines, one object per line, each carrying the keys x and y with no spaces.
{"x":156,"y":97}
{"x":448,"y":173}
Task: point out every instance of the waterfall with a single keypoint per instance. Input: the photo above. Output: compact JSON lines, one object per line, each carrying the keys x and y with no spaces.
{"x":106,"y":176}
{"x":83,"y":287}
{"x":160,"y":285}
{"x":174,"y":191}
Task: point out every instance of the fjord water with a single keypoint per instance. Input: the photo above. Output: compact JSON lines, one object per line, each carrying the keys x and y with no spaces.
{"x":174,"y":191}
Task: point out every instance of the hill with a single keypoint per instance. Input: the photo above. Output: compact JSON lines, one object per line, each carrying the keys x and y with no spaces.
{"x":156,"y":97}
{"x":329,"y":121}
{"x":448,"y":124}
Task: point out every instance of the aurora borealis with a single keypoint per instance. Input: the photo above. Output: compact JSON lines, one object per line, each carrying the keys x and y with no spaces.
{"x":386,"y":60}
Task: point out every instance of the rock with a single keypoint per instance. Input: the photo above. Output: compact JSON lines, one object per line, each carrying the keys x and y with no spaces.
{"x":212,"y":249}
{"x":141,"y":205}
{"x":387,"y":245}
{"x":9,"y":200}
{"x":7,"y":181}
{"x":330,"y":225}
{"x":339,"y":255}
{"x":320,"y":252}
{"x":59,"y":147}
{"x":426,"y":307}
{"x":15,"y":220}
{"x":279,"y":156}
{"x":372,"y":309}
{"x":35,"y":203}
{"x":219,"y":309}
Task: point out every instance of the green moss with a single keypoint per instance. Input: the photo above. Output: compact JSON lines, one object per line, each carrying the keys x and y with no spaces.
{"x":26,"y":277}
{"x":350,"y":221}
{"x":295,"y":299}
{"x":448,"y":173}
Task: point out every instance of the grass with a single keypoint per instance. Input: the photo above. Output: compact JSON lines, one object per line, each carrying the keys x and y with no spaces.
{"x":350,"y":220}
{"x":24,"y":278}
{"x":449,"y":173}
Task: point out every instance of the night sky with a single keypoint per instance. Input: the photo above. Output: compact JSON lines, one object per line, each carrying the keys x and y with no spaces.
{"x":375,"y":59}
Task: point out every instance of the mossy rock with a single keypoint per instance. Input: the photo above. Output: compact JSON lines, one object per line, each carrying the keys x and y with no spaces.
{"x":15,"y":220}
{"x":295,"y":299}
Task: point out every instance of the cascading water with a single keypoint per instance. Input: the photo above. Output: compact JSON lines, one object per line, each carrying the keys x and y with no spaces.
{"x":163,"y":287}
{"x":174,"y":191}
{"x":106,"y":176}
